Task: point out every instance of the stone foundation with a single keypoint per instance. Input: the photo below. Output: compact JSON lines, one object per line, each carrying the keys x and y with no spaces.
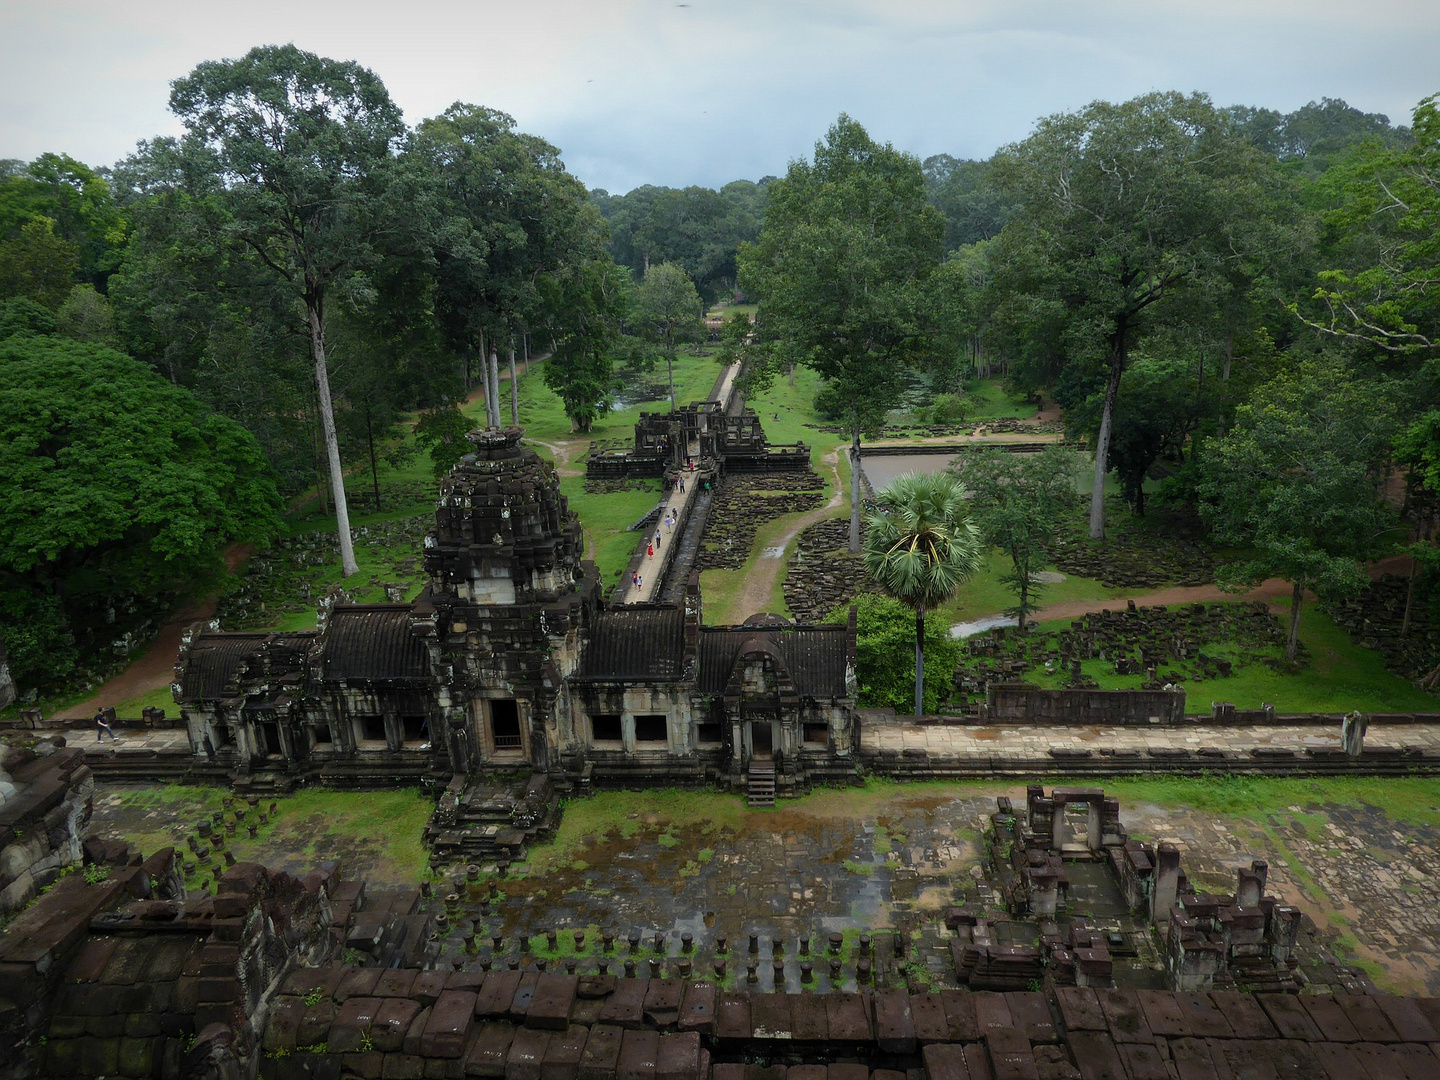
{"x":45,"y":802}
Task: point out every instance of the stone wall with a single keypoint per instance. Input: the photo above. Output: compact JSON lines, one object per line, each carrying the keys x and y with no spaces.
{"x":7,"y":684}
{"x":45,"y":800}
{"x":744,"y":503}
{"x":1012,"y":703}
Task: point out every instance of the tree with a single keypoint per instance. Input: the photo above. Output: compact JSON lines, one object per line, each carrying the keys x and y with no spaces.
{"x":840,"y":269}
{"x":587,"y":304}
{"x":79,"y":204}
{"x":38,"y":264}
{"x":1122,"y":204}
{"x":1296,"y":481}
{"x":920,"y":548}
{"x":668,"y":306}
{"x":114,"y":484}
{"x":508,"y":214}
{"x":1017,"y":502}
{"x":304,"y":147}
{"x":884,"y":653}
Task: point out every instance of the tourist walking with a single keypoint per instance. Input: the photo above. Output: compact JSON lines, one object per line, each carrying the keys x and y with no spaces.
{"x":102,"y":728}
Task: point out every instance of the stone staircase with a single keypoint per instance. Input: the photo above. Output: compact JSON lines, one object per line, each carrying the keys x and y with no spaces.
{"x":486,"y":820}
{"x":760,"y":784}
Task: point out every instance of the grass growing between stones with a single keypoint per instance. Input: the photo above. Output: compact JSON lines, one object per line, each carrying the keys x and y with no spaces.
{"x":1341,"y":675}
{"x":371,"y":834}
{"x":1409,"y":800}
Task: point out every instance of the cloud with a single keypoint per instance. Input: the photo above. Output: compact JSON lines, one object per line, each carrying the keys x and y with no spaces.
{"x":704,"y":91}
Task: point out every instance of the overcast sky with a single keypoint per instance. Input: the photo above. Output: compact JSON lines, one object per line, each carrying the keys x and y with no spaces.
{"x":706,"y":91}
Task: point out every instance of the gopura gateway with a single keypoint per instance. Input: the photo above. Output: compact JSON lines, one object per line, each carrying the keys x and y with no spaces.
{"x":511,"y":661}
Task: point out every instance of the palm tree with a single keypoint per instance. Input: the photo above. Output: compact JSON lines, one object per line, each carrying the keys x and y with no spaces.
{"x":920,"y":548}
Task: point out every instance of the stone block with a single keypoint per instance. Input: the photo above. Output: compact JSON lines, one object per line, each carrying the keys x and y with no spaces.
{"x":352,"y":1023}
{"x":807,"y":1017}
{"x":449,"y":1023}
{"x":527,"y":1051}
{"x":1096,"y":1056}
{"x":1368,"y":1019}
{"x":601,"y":1054}
{"x":1143,"y":1061}
{"x":553,"y":997}
{"x":697,"y":1008}
{"x":416,"y":1032}
{"x":662,"y":1002}
{"x":1080,"y":1009}
{"x":1329,"y":1018}
{"x":1410,"y":1024}
{"x":366,"y":1065}
{"x":562,"y":1056}
{"x":770,"y":1017}
{"x":844,"y":1070}
{"x":1338,"y":1062}
{"x":679,"y":1056}
{"x":402,"y":1067}
{"x":283,"y":1025}
{"x":732,"y":1017}
{"x":91,"y":960}
{"x":1243,"y":1013}
{"x":315,"y":1022}
{"x":928,"y":1014}
{"x":395,"y":983}
{"x":1031,"y":1013}
{"x":429,"y":984}
{"x":806,"y":1072}
{"x":1010,"y":1055}
{"x":626,"y":1006}
{"x":496,"y":993}
{"x":977,"y":1060}
{"x":1124,"y":1016}
{"x":848,"y":1018}
{"x":959,"y":1008}
{"x":639,"y":1055}
{"x":524,"y":995}
{"x":944,"y":1061}
{"x":357,"y":982}
{"x":894,"y":1024}
{"x":392,"y":1021}
{"x":491,"y":1049}
{"x":1289,"y":1016}
{"x":992,"y":1012}
{"x":137,"y":1056}
{"x":1205,"y":1020}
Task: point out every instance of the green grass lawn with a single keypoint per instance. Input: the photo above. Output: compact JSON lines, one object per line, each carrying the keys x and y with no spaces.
{"x":989,"y":401}
{"x":985,"y":594}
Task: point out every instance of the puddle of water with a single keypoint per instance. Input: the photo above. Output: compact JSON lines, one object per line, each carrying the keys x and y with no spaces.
{"x":979,"y":626}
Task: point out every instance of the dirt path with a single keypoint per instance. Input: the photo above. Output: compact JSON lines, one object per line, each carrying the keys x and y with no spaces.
{"x":763,"y":572}
{"x":155,"y":667}
{"x":1268,"y":590}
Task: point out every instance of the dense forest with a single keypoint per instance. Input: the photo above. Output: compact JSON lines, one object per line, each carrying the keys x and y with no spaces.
{"x":1240,"y":299}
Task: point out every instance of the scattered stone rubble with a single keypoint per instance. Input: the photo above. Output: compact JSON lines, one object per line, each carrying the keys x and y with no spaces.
{"x":45,"y":797}
{"x":1133,"y":559}
{"x":823,"y":575}
{"x":1164,"y":644}
{"x":1374,"y":619}
{"x":746,"y":501}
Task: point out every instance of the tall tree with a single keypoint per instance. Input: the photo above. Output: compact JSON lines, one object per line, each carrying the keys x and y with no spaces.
{"x":668,"y":306}
{"x":1122,"y":204}
{"x":841,"y":268}
{"x":509,"y":214}
{"x":305,"y":148}
{"x":1297,"y":483}
{"x":920,"y":548}
{"x":1017,"y":502}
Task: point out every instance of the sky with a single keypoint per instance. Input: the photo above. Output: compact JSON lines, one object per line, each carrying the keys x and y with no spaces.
{"x":707,"y":91}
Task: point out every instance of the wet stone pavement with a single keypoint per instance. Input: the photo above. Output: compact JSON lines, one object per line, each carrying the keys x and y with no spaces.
{"x":874,"y":864}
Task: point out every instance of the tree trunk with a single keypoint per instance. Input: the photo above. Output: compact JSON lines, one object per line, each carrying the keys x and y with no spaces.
{"x":320,"y":478}
{"x":1292,"y":642}
{"x":485,"y":378}
{"x":855,"y":492}
{"x":670,"y":367}
{"x":494,"y":377}
{"x":919,"y":662}
{"x":348,"y":565}
{"x":1409,"y":598}
{"x":1102,"y":441}
{"x":514,"y":392}
{"x":792,"y":375}
{"x":374,"y":472}
{"x":1023,"y":573}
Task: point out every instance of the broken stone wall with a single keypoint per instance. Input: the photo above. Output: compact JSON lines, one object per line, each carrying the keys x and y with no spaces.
{"x":1018,"y":703}
{"x":45,"y":801}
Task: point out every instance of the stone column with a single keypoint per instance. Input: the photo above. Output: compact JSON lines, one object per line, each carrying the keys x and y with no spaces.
{"x":1167,"y":882}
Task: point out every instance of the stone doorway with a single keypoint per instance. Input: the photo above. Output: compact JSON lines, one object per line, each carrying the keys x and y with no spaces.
{"x":761,"y":740}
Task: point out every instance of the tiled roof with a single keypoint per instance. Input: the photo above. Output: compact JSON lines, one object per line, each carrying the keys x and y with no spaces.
{"x":640,"y":643}
{"x":813,"y":656}
{"x":373,"y":642}
{"x":214,"y":661}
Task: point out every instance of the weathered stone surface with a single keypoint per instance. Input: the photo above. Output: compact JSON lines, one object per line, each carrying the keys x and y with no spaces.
{"x":352,"y":1023}
{"x":602,"y":1053}
{"x":679,"y":1056}
{"x":894,"y":1024}
{"x":945,"y":1061}
{"x":490,"y":1049}
{"x":563,"y":1054}
{"x":1096,"y":1056}
{"x":1289,"y":1016}
{"x":1010,"y":1055}
{"x":450,"y":1019}
{"x":496,"y":993}
{"x":1123,"y":1014}
{"x":1330,"y":1019}
{"x":1080,"y":1009}
{"x":960,"y":1015}
{"x":639,"y":1055}
{"x":732,"y":1017}
{"x":553,"y":999}
{"x":527,"y":1052}
{"x":662,"y":1001}
{"x":1243,"y":1013}
{"x":392,"y":1021}
{"x":626,"y":1006}
{"x":770,"y":1016}
{"x":928,"y":1013}
{"x":848,"y":1018}
{"x":1031,"y":1013}
{"x":697,"y":1008}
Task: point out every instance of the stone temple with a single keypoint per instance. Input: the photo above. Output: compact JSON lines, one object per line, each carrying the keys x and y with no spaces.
{"x":511,"y":666}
